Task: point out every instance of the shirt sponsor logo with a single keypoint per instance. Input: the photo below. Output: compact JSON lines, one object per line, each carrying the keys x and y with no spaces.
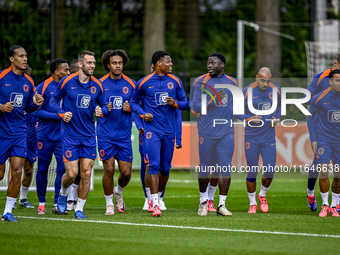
{"x":17,"y":99}
{"x":83,"y":101}
{"x":117,"y":102}
{"x":264,"y":106}
{"x":224,"y":101}
{"x":334,"y":116}
{"x":160,"y":98}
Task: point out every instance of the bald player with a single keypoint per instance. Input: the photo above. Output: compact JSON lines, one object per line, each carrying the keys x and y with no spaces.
{"x":260,"y":136}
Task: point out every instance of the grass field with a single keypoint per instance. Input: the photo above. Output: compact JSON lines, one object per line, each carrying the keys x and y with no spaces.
{"x":288,"y":228}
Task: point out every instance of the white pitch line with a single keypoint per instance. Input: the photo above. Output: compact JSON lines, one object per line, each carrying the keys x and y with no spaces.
{"x":186,"y":227}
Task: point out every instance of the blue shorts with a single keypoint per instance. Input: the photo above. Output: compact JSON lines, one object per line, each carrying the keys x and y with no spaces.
{"x":121,"y":150}
{"x":159,"y":152}
{"x":73,"y":149}
{"x":216,"y":155}
{"x":142,"y":149}
{"x":31,"y":151}
{"x":11,"y":147}
{"x":328,"y":150}
{"x":253,"y":149}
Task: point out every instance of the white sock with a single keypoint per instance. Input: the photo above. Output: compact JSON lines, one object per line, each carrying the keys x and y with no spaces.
{"x":23,"y":192}
{"x":154,"y":198}
{"x":207,"y":191}
{"x":119,"y":189}
{"x":252,"y":198}
{"x":335,"y":198}
{"x":80,"y":204}
{"x":70,"y":193}
{"x":324,"y":197}
{"x":310,"y":192}
{"x":212,"y":191}
{"x":148,"y":193}
{"x":109,"y":199}
{"x":75,"y":192}
{"x":63,"y":191}
{"x":222,"y":200}
{"x":42,"y":203}
{"x":203,"y":197}
{"x":159,"y":196}
{"x":263,"y":191}
{"x":9,"y":204}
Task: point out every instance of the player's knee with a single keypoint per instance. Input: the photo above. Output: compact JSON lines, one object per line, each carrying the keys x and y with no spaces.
{"x":164,"y":173}
{"x":268,"y":175}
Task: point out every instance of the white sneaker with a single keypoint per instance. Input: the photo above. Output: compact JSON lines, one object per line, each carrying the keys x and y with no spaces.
{"x":70,"y":206}
{"x":222,"y":210}
{"x":119,"y":201}
{"x":110,"y":210}
{"x":162,"y":205}
{"x":203,"y":209}
{"x":146,"y":205}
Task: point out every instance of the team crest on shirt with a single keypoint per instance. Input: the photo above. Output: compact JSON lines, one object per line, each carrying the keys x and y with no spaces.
{"x":160,"y":98}
{"x":334,"y":116}
{"x":117,"y":102}
{"x":320,"y":151}
{"x":93,"y":89}
{"x":247,"y":145}
{"x":40,"y":145}
{"x":83,"y":101}
{"x":201,"y":140}
{"x":26,"y":88}
{"x":170,"y":85}
{"x":148,"y":135}
{"x":271,"y":95}
{"x":68,"y":154}
{"x":125,"y":90}
{"x":17,"y":99}
{"x":264,"y":106}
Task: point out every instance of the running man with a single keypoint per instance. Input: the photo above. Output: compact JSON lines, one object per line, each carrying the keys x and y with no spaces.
{"x":114,"y":130}
{"x":324,"y":132}
{"x":216,"y":143}
{"x":319,"y":84}
{"x":49,"y":135}
{"x":17,"y":96}
{"x":80,"y":92}
{"x":162,"y":93}
{"x":260,"y":136}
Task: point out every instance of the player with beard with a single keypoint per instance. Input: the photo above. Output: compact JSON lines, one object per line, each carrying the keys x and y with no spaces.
{"x":17,"y":96}
{"x":80,"y":92}
{"x":162,"y":93}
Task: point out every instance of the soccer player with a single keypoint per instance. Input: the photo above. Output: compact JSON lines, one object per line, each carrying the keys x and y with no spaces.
{"x":324,"y":132}
{"x":162,"y":93}
{"x":72,"y":193}
{"x":49,"y":136}
{"x":318,"y":84}
{"x":17,"y":95}
{"x":80,"y":92}
{"x":114,"y":130}
{"x":260,"y":136}
{"x":216,"y":144}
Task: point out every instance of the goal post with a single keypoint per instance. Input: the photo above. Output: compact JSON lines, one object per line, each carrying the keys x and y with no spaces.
{"x":52,"y":172}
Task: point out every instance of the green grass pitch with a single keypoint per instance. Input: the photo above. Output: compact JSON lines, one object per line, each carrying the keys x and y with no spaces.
{"x":288,"y":228}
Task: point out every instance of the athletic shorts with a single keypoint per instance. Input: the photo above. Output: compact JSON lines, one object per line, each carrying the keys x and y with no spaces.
{"x":159,"y":152}
{"x":253,"y":149}
{"x":73,"y":148}
{"x":328,"y":150}
{"x":31,"y":150}
{"x":11,"y":147}
{"x":216,"y":155}
{"x":121,"y":150}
